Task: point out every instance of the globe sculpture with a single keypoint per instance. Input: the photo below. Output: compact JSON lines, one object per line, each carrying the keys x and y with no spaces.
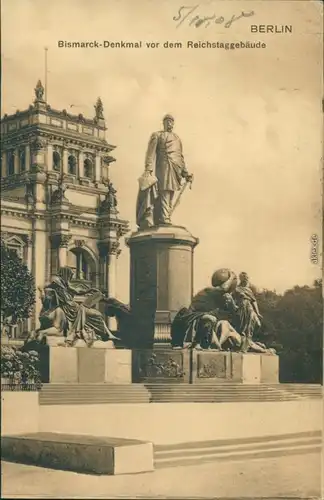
{"x":221,"y":276}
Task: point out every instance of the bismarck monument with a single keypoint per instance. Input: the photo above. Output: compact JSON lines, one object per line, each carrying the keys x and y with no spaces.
{"x":161,"y":254}
{"x":205,"y":338}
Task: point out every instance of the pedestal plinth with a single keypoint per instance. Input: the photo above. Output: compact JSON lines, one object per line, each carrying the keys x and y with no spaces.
{"x":167,"y":365}
{"x":161,"y":280}
{"x":85,"y":365}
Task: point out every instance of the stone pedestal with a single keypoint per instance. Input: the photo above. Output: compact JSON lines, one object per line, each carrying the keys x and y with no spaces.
{"x":112,"y":366}
{"x":62,"y":364}
{"x":164,"y":365}
{"x":270,"y":369}
{"x":85,"y":365}
{"x":161,"y":280}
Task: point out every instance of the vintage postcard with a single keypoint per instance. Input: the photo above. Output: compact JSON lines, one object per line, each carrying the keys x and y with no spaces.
{"x":161,"y":249}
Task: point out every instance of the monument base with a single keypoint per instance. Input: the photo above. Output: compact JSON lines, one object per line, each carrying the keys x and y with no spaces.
{"x":160,"y":280}
{"x":165,"y":365}
{"x":86,"y":365}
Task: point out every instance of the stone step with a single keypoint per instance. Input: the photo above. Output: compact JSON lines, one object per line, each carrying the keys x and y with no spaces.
{"x":215,"y":400}
{"x":74,"y":394}
{"x":68,"y":402}
{"x":52,"y":394}
{"x":251,"y":455}
{"x":239,"y":449}
{"x":236,"y":390}
{"x":111,"y":387}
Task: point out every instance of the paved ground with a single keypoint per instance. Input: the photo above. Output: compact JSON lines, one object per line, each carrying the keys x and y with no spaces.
{"x":296,"y":476}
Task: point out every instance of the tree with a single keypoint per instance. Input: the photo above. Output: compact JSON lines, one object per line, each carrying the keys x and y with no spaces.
{"x":293,"y":325}
{"x":17,"y":287}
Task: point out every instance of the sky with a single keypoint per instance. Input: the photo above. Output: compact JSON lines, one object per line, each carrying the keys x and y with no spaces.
{"x":250,"y":120}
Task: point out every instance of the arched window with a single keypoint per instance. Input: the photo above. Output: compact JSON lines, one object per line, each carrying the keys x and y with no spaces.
{"x":22,"y":160}
{"x":10,"y":163}
{"x":56,"y":161}
{"x":88,"y":168}
{"x":82,"y":264}
{"x":72,"y":165}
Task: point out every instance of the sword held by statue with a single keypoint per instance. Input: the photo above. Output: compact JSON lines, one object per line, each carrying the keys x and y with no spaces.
{"x":186,"y":183}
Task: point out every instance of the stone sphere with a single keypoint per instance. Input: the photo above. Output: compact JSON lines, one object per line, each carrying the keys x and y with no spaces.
{"x":220,"y":276}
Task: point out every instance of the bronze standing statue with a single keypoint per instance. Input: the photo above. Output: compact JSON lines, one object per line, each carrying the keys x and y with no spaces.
{"x":249,"y":315}
{"x":165,"y":175}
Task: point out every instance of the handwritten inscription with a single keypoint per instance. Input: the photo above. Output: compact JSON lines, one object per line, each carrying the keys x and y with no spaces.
{"x":191,"y":17}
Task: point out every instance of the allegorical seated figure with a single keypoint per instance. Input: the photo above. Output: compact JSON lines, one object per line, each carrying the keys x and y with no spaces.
{"x":208,"y":322}
{"x":196,"y":326}
{"x":61,"y":315}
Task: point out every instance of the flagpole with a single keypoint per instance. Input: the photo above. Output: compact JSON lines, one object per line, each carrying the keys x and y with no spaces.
{"x":46,"y":49}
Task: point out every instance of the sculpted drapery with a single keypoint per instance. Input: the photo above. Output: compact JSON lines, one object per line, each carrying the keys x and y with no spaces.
{"x":76,"y":321}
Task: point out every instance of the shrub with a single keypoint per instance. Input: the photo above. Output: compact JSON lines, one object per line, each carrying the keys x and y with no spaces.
{"x":19,"y":367}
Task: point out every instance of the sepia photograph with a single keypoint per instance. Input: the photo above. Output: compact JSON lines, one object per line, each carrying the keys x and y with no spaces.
{"x":161,"y":249}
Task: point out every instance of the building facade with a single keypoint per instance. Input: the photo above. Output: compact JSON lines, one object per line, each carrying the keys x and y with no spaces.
{"x":58,"y":205}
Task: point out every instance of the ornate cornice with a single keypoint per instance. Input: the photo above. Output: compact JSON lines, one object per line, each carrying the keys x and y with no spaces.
{"x":120,"y":226}
{"x":55,"y":113}
{"x":51,"y":133}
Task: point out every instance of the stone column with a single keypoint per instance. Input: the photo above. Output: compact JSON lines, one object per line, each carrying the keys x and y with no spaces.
{"x":39,"y":255}
{"x":29,"y":262}
{"x":65,"y":161}
{"x":37,"y":148}
{"x":29,"y":259}
{"x":109,"y":252}
{"x":39,"y":191}
{"x":81,"y":160}
{"x":27,"y":157}
{"x":111,"y":270}
{"x":111,"y":274}
{"x":60,"y":244}
{"x":4,"y":165}
{"x":16,"y":160}
{"x":97,"y":168}
{"x":49,"y":157}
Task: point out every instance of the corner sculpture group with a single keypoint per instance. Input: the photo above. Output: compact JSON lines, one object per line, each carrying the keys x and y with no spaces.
{"x":223,"y":316}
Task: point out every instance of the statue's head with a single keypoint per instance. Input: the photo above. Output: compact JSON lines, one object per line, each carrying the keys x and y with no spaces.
{"x":244,"y":278}
{"x":50,"y":299}
{"x":168,"y":123}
